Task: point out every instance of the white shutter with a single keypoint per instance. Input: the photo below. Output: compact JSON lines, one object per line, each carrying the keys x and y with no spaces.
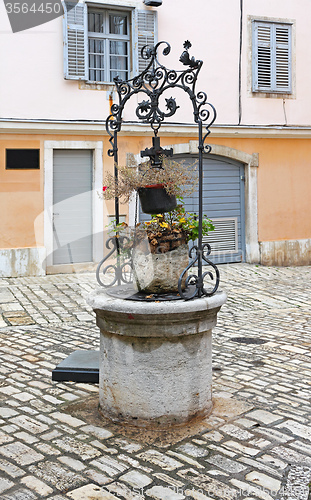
{"x":271,"y":57}
{"x":75,"y":41}
{"x":147,"y":34}
{"x":282,"y":58}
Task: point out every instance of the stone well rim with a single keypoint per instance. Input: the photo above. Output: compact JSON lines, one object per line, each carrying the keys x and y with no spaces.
{"x":100,"y":300}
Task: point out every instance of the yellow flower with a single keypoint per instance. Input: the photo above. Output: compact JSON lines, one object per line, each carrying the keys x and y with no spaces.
{"x":163,"y":224}
{"x":182,"y":219}
{"x":191,"y":227}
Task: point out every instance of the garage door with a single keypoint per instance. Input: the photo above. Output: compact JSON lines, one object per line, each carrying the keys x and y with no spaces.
{"x":72,"y":206}
{"x":223,"y":202}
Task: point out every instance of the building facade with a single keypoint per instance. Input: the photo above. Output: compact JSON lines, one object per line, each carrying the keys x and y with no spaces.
{"x":56,"y":91}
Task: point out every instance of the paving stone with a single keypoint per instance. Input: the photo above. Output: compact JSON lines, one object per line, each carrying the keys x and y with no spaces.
{"x":99,"y":432}
{"x":11,"y":469}
{"x":109,"y":465}
{"x":124,"y":491}
{"x":226,"y":464}
{"x":245,"y":489}
{"x":37,"y":486}
{"x":56,"y":475}
{"x":160,"y":459}
{"x":198,"y":495}
{"x":192,"y":450}
{"x":24,"y":436}
{"x":263,"y":416}
{"x":241,"y":448}
{"x":161,"y":493}
{"x":136,"y":479}
{"x":82,"y":450}
{"x":270,"y":483}
{"x":21,"y":453}
{"x":29,"y":424}
{"x":7,"y":412}
{"x":20,"y":494}
{"x":236,"y":432}
{"x":186,"y":459}
{"x":97,"y":477}
{"x":4,"y":438}
{"x":291,"y":456}
{"x":296,"y":429}
{"x":210,"y":486}
{"x":77,"y":465}
{"x":5,"y":484}
{"x":91,"y":491}
{"x":67,"y":419}
{"x":296,"y":485}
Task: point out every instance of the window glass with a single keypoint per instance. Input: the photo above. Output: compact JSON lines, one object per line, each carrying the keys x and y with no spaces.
{"x":96,"y":22}
{"x":117,"y":24}
{"x":108,"y":42}
{"x":96,"y":60}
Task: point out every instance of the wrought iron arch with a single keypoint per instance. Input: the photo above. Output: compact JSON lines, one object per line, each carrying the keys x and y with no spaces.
{"x":152,"y":83}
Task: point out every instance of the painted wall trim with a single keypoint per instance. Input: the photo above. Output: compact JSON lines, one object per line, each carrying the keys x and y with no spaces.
{"x":286,"y":253}
{"x":97,"y":201}
{"x":16,"y":126}
{"x":16,"y":262}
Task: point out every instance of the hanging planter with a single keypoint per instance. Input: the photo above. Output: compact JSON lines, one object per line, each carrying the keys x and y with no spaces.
{"x":154,"y":199}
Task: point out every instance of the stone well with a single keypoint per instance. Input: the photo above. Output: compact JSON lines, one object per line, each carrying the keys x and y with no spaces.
{"x":155,"y":358}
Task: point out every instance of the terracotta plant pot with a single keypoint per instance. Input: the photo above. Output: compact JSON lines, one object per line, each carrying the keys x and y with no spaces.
{"x":155,"y":200}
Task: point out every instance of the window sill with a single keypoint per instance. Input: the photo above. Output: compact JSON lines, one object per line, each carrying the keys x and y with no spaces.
{"x":273,"y":95}
{"x":97,"y":86}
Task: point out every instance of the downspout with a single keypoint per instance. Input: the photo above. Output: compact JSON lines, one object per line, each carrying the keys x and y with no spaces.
{"x":240,"y":62}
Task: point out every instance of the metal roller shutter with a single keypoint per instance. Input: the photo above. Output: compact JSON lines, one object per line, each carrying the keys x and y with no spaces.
{"x":72,"y":206}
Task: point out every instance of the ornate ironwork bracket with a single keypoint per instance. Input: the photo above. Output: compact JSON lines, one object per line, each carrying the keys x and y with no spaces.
{"x":152,"y":84}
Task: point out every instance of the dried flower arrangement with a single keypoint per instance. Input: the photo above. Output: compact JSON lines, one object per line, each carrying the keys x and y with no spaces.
{"x":177,"y":177}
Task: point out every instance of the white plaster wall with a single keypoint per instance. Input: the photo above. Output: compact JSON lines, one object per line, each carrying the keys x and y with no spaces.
{"x":32,"y":85}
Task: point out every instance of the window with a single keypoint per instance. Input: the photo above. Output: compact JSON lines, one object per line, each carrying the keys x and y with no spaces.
{"x":22,"y":159}
{"x":99,"y":42}
{"x":108,"y":45}
{"x":271,"y":57}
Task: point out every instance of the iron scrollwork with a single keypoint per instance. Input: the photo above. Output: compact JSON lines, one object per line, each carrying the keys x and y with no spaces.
{"x":151,"y":84}
{"x":121,"y":271}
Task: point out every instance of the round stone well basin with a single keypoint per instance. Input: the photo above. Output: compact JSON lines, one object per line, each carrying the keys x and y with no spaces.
{"x":155,"y":358}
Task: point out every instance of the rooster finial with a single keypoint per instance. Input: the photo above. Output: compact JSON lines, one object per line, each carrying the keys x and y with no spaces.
{"x":185,"y":58}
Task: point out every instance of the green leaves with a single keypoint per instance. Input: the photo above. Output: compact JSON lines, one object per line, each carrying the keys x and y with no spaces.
{"x":179,"y":220}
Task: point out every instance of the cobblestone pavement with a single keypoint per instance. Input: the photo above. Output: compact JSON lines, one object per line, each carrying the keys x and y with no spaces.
{"x":256,"y":444}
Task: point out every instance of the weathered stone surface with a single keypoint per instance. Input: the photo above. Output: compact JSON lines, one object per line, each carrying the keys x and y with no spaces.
{"x":160,"y":272}
{"x":155,"y":358}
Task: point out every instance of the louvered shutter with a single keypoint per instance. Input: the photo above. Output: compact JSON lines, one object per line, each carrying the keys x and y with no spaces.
{"x":282,"y":58}
{"x":147,"y":34}
{"x":271,"y":57}
{"x":262,"y":58}
{"x":75,"y":41}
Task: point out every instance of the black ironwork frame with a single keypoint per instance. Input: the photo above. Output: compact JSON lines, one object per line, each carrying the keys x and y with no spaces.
{"x":153,"y":82}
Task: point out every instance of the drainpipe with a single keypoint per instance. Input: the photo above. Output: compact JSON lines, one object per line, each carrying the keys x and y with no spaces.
{"x":240,"y":62}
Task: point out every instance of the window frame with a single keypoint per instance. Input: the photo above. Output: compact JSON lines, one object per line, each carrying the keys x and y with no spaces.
{"x":272,"y":24}
{"x":142,"y":30}
{"x":106,"y":37}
